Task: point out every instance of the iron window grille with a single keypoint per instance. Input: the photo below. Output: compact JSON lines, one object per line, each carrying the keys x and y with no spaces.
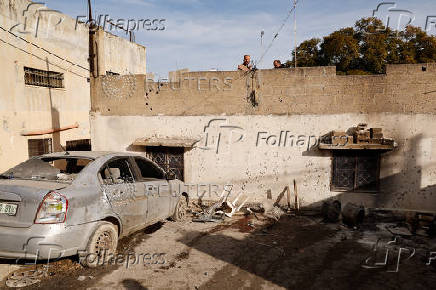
{"x":355,"y":172}
{"x":42,"y":78}
{"x":79,"y":145}
{"x":39,"y":146}
{"x":170,"y":159}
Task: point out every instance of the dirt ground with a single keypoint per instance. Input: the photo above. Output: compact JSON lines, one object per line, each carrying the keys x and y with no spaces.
{"x":254,"y":252}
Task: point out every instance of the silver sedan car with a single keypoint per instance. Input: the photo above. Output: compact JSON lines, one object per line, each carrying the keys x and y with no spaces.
{"x":67,"y":203}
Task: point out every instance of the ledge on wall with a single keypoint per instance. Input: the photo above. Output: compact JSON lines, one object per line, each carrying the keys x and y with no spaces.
{"x":167,"y":142}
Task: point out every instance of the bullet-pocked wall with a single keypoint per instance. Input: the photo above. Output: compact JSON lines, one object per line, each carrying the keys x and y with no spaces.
{"x":37,"y":40}
{"x":240,"y":120}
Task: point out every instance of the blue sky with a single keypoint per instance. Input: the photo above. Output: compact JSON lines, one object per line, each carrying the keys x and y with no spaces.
{"x":206,"y":34}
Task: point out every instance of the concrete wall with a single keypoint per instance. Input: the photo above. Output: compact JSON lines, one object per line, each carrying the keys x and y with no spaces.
{"x":305,"y":101}
{"x":119,"y":56}
{"x":51,"y":43}
{"x":404,"y":89}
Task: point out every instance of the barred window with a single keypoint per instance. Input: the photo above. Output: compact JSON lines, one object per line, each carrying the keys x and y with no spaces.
{"x":111,"y":73}
{"x":355,"y":171}
{"x":170,"y":159}
{"x":42,"y":78}
{"x":79,"y":145}
{"x":39,"y":146}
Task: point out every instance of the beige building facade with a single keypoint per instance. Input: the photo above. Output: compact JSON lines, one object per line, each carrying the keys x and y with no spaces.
{"x":45,"y":78}
{"x":262,"y":130}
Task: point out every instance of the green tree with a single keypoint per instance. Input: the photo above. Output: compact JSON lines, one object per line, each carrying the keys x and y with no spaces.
{"x":394,"y":46}
{"x":367,"y":48}
{"x":307,"y":53}
{"x":373,"y":44}
{"x":417,"y":46}
{"x":340,"y":48}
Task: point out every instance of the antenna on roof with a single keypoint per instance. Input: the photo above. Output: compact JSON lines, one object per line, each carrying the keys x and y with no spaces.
{"x":295,"y":33}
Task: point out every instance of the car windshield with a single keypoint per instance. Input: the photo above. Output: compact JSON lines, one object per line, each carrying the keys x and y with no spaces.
{"x":63,"y":169}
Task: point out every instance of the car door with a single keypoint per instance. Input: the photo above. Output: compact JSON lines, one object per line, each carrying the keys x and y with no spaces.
{"x":125,"y":195}
{"x":156,"y":187}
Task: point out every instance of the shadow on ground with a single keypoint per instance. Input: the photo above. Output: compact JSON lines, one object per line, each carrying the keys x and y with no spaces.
{"x":299,"y":252}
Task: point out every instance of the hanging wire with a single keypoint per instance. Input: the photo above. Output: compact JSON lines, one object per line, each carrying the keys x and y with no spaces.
{"x":43,"y":49}
{"x":41,"y":58}
{"x":277,"y":33}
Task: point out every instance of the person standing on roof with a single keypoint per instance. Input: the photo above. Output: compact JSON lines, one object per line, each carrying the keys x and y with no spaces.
{"x":278,"y":64}
{"x":246,"y":65}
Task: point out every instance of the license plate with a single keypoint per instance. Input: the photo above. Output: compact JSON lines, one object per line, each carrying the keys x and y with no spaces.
{"x":8,"y":208}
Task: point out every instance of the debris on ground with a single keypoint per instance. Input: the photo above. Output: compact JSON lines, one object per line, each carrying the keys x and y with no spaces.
{"x":210,"y":214}
{"x":234,"y":205}
{"x":353,"y":215}
{"x":254,"y":251}
{"x":275,"y":213}
{"x":223,"y":208}
{"x":399,"y":230}
{"x":25,"y":278}
{"x":331,"y":211}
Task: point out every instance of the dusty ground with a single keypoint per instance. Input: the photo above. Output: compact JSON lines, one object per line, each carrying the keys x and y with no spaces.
{"x":297,"y":252}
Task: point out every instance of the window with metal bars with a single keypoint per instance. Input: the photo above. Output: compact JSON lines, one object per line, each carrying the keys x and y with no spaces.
{"x":355,"y":171}
{"x":38,"y":147}
{"x":43,"y":78}
{"x":79,"y":145}
{"x":170,"y":159}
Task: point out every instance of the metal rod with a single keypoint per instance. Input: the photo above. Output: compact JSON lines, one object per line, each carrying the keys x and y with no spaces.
{"x":295,"y":32}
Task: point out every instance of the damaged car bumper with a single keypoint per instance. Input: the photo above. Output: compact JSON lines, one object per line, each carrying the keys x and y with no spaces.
{"x":43,"y":242}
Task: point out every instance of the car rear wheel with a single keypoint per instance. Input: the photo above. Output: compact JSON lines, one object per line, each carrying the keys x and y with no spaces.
{"x":181,"y":208}
{"x":102,"y":246}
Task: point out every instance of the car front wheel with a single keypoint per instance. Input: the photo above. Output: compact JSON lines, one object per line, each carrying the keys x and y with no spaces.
{"x":102,"y":246}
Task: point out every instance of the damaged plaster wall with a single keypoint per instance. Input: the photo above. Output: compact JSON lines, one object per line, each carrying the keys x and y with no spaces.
{"x":255,"y":164}
{"x":303,"y":101}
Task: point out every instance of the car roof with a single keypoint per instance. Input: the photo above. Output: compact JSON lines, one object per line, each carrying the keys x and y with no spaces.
{"x":89,"y":154}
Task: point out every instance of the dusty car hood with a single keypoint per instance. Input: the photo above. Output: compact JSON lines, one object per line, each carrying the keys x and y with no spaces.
{"x":27,"y":194}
